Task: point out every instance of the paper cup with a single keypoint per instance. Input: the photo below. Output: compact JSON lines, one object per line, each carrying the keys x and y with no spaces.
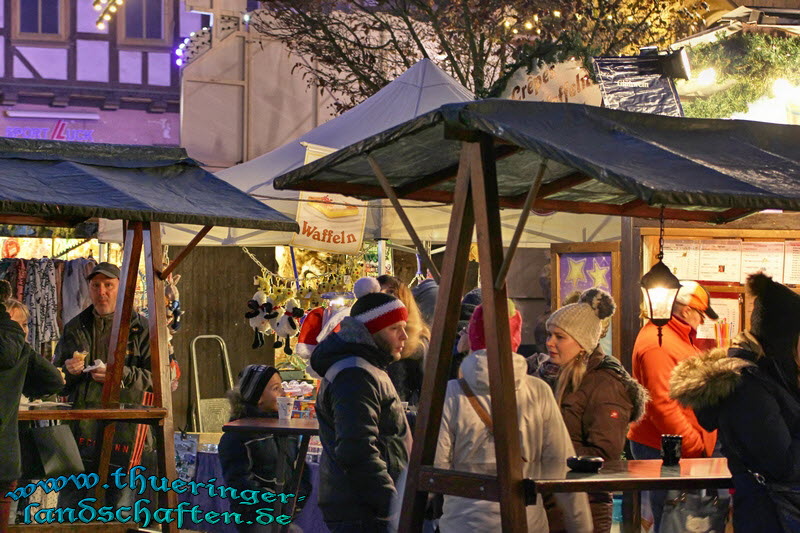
{"x":285,"y":404}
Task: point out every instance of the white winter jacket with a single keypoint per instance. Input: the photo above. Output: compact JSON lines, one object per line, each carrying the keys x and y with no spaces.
{"x":466,"y":445}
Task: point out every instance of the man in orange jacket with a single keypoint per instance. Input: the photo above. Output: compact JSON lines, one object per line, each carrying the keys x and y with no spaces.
{"x":652,"y":366}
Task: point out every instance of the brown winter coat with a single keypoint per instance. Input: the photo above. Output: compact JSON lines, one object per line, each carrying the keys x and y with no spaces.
{"x":597,"y":415}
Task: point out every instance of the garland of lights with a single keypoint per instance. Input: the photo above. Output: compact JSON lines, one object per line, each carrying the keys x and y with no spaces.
{"x":752,"y":61}
{"x":107,"y":9}
{"x":193,"y":46}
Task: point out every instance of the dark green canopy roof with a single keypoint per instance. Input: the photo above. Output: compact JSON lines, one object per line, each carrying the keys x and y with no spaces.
{"x":64,"y":183}
{"x":600,"y":160}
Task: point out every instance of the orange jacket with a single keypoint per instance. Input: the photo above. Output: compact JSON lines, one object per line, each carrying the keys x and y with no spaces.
{"x":652,"y":366}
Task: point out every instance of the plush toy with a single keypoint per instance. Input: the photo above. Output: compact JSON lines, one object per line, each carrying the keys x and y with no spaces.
{"x":287,"y":325}
{"x":261,"y":311}
{"x":173,"y":298}
{"x":173,"y":303}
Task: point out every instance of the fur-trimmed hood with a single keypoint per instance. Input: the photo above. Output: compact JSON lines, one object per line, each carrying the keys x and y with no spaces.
{"x":636,"y":392}
{"x":706,"y":380}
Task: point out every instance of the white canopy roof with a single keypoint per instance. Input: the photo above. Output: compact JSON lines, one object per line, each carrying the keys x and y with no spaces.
{"x":422,"y":88}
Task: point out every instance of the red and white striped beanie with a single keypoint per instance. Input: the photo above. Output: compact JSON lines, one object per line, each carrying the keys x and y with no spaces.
{"x":377,"y":310}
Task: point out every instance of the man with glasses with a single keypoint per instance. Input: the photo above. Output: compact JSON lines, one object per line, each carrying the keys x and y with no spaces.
{"x":652,"y":366}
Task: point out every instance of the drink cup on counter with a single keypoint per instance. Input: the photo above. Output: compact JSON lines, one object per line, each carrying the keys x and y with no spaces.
{"x":671,"y":449}
{"x":285,"y":405}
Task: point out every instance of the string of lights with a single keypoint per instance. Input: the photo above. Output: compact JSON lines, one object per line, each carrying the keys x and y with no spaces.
{"x":193,"y":46}
{"x":533,"y":24}
{"x":107,"y":9}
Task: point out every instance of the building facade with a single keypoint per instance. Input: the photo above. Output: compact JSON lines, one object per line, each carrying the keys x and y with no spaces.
{"x":69,"y":74}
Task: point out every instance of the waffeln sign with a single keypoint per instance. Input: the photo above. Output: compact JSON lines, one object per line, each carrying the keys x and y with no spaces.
{"x":329,"y":222}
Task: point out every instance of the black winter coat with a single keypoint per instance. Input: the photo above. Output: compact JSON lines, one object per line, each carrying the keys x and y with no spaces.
{"x":260,"y":462}
{"x":22,"y":371}
{"x":745,"y":396}
{"x":84,"y":392}
{"x":362,"y":427}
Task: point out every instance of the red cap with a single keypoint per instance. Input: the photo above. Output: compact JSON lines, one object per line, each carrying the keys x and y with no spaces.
{"x":477,"y":338}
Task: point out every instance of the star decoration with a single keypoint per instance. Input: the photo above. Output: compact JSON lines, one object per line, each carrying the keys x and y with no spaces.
{"x":598,"y":274}
{"x":576,"y":274}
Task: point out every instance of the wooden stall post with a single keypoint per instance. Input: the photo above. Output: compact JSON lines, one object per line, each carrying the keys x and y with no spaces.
{"x":159,"y":363}
{"x":498,"y":338}
{"x":118,"y":348}
{"x":437,"y":364}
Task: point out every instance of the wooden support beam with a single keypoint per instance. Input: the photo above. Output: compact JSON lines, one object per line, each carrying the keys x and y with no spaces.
{"x":145,"y":415}
{"x":638,"y":210}
{"x":734,"y":214}
{"x":562,"y":184}
{"x":523,"y":219}
{"x":27,"y":220}
{"x":369,"y":191}
{"x":464,"y":484}
{"x":121,"y":325}
{"x":181,"y":256}
{"x":118,"y":348}
{"x":498,"y":338}
{"x":501,"y":152}
{"x":159,"y":360}
{"x":440,"y":352}
{"x":633,"y":204}
{"x":392,"y":196}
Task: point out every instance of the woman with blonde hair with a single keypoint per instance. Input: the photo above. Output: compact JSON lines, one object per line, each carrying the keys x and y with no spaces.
{"x":406,"y":374}
{"x":596,"y":395}
{"x":19,"y":313}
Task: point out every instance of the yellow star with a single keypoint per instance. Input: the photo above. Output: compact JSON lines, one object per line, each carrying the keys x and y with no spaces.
{"x":598,"y":275}
{"x":576,"y":275}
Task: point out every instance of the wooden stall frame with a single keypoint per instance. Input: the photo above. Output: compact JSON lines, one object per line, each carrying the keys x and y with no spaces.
{"x":475,"y":202}
{"x":612,"y":248}
{"x":140,"y":237}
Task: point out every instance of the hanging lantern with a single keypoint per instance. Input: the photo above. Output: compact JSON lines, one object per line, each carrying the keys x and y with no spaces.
{"x":660,"y":287}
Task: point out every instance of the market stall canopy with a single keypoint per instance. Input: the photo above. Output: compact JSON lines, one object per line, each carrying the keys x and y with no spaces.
{"x":421,"y":89}
{"x":54,"y":182}
{"x":599,"y":161}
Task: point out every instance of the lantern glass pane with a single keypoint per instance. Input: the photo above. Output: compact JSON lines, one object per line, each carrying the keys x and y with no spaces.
{"x":660,"y":302}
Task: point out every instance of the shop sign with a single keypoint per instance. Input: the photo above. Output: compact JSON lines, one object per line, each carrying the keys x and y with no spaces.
{"x":329,"y":222}
{"x":59,"y":133}
{"x":563,"y":82}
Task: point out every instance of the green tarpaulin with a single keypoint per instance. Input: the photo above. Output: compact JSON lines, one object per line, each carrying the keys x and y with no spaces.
{"x":75,"y":181}
{"x":599,"y":160}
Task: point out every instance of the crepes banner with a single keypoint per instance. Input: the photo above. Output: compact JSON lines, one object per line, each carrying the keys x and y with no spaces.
{"x":562,"y":82}
{"x":330,"y":223}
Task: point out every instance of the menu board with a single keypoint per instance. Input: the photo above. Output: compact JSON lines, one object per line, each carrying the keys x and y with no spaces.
{"x":791,"y":265}
{"x":721,"y":260}
{"x":683,"y":258}
{"x":730,"y":313}
{"x":766,"y":257}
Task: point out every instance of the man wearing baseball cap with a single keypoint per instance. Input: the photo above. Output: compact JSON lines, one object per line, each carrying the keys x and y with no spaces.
{"x":362,"y":425}
{"x":652,"y":366}
{"x":86,"y":339}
